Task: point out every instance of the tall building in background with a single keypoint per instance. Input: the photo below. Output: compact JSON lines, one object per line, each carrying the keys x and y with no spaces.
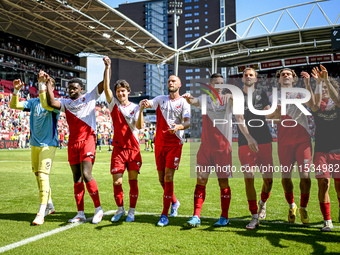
{"x":199,"y":17}
{"x":156,"y":22}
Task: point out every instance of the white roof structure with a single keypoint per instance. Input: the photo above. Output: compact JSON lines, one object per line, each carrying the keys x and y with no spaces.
{"x":76,"y":26}
{"x":301,"y":40}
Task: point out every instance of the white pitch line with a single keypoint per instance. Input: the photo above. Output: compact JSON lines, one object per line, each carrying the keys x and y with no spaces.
{"x":35,"y":238}
{"x":72,"y":225}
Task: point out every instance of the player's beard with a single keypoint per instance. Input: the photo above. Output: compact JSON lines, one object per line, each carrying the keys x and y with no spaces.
{"x":172,"y":90}
{"x":249,"y":84}
{"x":287,"y":83}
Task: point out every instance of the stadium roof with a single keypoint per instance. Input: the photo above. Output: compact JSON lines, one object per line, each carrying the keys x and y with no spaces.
{"x":76,"y":26}
{"x":284,"y":39}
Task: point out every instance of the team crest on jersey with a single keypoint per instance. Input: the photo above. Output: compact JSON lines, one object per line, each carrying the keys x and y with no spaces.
{"x":258,"y":97}
{"x":131,"y":113}
{"x":83,"y":100}
{"x":178,"y":107}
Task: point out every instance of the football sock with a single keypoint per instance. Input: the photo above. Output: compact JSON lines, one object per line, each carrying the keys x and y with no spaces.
{"x":49,"y":201}
{"x":167,"y":197}
{"x":118,"y":194}
{"x":79,"y":190}
{"x":92,"y":188}
{"x":44,"y":187}
{"x":290,"y":198}
{"x":325,"y":210}
{"x":199,"y":197}
{"x":264,"y":197}
{"x":304,"y":200}
{"x":252,"y":206}
{"x":133,"y":193}
{"x":225,"y":201}
{"x":131,"y":212}
{"x":174,"y":199}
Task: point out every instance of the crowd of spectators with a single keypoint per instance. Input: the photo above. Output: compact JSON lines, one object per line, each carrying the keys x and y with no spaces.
{"x":25,"y":65}
{"x":35,"y":52}
{"x":33,"y":57}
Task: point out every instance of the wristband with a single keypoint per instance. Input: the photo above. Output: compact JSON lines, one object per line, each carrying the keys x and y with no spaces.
{"x":42,"y":86}
{"x":318,"y":89}
{"x":16,"y":91}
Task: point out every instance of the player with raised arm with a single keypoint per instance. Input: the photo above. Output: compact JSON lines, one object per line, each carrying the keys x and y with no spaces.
{"x":294,"y":145}
{"x":126,"y":151}
{"x":255,"y":147}
{"x":326,"y":113}
{"x":81,"y":118}
{"x":173,"y":117}
{"x":44,"y":140}
{"x":214,"y":151}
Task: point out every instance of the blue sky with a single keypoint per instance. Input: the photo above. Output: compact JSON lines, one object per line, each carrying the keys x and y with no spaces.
{"x":244,"y":10}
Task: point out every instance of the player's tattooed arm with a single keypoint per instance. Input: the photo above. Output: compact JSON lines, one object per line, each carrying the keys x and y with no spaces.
{"x":243,"y":127}
{"x":185,"y":125}
{"x":191,"y":100}
{"x":43,"y":79}
{"x":15,"y":104}
{"x":50,"y":98}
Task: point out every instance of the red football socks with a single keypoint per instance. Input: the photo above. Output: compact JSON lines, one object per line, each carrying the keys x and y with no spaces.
{"x":225,"y":201}
{"x":264,"y":196}
{"x":325,"y":209}
{"x":304,"y":200}
{"x":79,"y":190}
{"x":252,"y":206}
{"x":118,"y":194}
{"x":92,"y":188}
{"x":167,"y":197}
{"x":199,"y":198}
{"x":133,"y":193}
{"x":289,"y":198}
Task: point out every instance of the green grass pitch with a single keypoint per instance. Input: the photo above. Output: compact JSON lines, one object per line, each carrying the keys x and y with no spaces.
{"x":19,"y":204}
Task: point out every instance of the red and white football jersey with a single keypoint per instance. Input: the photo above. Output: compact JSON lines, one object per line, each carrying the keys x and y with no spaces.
{"x":124,"y":118}
{"x":169,"y":112}
{"x":219,"y":137}
{"x":81,"y":115}
{"x":290,"y":134}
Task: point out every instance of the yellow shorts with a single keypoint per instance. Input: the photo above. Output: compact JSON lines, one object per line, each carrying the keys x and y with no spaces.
{"x":42,"y":158}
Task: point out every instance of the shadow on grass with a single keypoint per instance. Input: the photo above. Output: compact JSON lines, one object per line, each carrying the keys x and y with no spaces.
{"x":207,"y":224}
{"x":306,"y":234}
{"x":143,"y":219}
{"x":61,"y":217}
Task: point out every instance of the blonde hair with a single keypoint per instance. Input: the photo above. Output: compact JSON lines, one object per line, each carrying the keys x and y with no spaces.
{"x":250,"y":69}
